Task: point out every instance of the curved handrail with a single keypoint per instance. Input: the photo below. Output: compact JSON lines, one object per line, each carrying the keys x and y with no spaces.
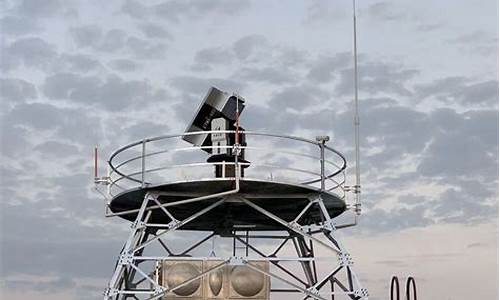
{"x":339,"y":167}
{"x":410,"y":282}
{"x":394,"y":287}
{"x":410,"y":285}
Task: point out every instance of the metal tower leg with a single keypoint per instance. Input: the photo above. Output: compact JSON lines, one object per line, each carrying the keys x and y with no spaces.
{"x":137,"y":232}
{"x":314,"y":288}
{"x":122,"y":285}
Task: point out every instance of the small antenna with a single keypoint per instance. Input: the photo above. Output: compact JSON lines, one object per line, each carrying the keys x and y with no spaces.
{"x":357,"y":186}
{"x":95,"y":164}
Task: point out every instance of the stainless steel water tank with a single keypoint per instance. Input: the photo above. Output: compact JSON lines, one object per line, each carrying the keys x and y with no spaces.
{"x":228,"y":282}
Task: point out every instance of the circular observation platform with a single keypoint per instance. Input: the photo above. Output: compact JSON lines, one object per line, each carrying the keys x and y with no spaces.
{"x":282,"y":175}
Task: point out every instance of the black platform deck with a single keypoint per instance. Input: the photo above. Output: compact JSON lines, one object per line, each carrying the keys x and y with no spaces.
{"x":284,"y":200}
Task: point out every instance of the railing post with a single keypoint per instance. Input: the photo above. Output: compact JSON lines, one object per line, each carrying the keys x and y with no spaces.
{"x":143,"y":164}
{"x":322,"y":149}
{"x":322,"y":140}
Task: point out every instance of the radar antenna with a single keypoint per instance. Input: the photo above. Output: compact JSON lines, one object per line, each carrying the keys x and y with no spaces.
{"x":357,"y":186}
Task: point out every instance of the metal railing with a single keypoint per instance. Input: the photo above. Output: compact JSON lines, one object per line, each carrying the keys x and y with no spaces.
{"x":272,"y":157}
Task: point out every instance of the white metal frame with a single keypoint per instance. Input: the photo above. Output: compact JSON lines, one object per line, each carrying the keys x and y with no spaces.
{"x":129,"y":278}
{"x":143,"y":234}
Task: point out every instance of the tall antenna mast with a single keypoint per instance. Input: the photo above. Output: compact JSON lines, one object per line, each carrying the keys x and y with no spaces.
{"x":357,"y":186}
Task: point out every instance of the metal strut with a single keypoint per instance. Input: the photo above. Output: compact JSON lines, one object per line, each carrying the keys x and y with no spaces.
{"x":129,"y":275}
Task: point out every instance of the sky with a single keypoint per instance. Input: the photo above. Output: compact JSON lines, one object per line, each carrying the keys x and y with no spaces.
{"x":79,"y":73}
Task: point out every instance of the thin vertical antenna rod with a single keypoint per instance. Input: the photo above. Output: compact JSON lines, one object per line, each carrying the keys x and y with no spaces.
{"x":357,"y":187}
{"x":95,"y":163}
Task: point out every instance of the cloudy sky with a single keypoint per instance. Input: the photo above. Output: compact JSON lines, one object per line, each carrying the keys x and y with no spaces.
{"x":79,"y":73}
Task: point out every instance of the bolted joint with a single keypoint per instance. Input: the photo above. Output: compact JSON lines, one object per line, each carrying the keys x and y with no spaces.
{"x":237,"y":261}
{"x":314,"y":291}
{"x":330,"y":226}
{"x":296,"y":226}
{"x":322,"y":138}
{"x":137,"y":224}
{"x":159,"y":291}
{"x":357,"y":208}
{"x":236,"y":149}
{"x":126,"y":259}
{"x":110,"y":292}
{"x":174,"y":224}
{"x":345,"y":259}
{"x":362,"y":292}
{"x":102,"y":180}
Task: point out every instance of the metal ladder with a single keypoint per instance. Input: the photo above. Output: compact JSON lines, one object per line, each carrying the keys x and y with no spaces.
{"x":238,"y":245}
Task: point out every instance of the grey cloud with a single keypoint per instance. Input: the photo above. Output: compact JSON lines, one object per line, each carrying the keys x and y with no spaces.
{"x":124,"y":65}
{"x":199,"y":86}
{"x":32,"y":52}
{"x":318,"y":11}
{"x":411,"y":199}
{"x":65,"y":123}
{"x":16,"y":26}
{"x":59,"y":246}
{"x":113,"y":40}
{"x":13,"y":141}
{"x":470,"y":149}
{"x":429,"y":27}
{"x":399,"y":130}
{"x":460,"y":90}
{"x":291,"y":57}
{"x":16,"y":90}
{"x":54,"y":149}
{"x":377,"y":78}
{"x":440,"y":86}
{"x":385,"y":11}
{"x":92,"y":36}
{"x":113,"y":93}
{"x":247,"y":47}
{"x":473,"y":37}
{"x":479,"y":93}
{"x":145,"y":129}
{"x":461,"y":207}
{"x":36,"y":115}
{"x":135,"y":9}
{"x":457,"y":155}
{"x":144,"y":50}
{"x":251,"y":49}
{"x":266,"y":74}
{"x":152,"y":30}
{"x":323,"y":69}
{"x":43,"y":9}
{"x":297,"y":98}
{"x":379,"y":220}
{"x":177,"y":10}
{"x":213,"y":56}
{"x":86,"y":36}
{"x":78,"y":63}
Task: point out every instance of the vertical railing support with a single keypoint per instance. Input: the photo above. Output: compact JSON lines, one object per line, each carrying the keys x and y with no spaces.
{"x":321,"y":142}
{"x":143,"y":164}
{"x":322,"y":149}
